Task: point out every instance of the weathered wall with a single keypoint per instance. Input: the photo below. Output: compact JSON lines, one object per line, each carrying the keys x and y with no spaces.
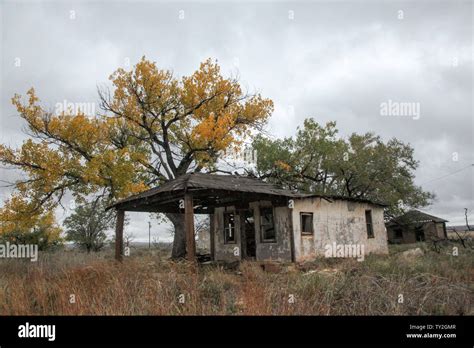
{"x":392,"y":236}
{"x":339,"y":221}
{"x":203,"y":240}
{"x":280,"y":250}
{"x":431,"y":230}
{"x":435,"y":231}
{"x":226,"y":251}
{"x":408,"y":235}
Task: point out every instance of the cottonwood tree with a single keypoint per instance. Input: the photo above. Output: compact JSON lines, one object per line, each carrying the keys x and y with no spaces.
{"x":363,"y":166}
{"x":88,"y":223}
{"x":155,"y":127}
{"x":42,"y":231}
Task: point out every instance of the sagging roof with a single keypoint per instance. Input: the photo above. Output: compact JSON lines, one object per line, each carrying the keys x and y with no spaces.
{"x":212,"y":190}
{"x":415,"y":216}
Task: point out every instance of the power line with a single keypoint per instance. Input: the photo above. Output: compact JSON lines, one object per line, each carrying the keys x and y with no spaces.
{"x":444,"y":176}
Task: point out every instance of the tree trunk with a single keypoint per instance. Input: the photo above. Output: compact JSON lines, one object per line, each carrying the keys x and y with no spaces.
{"x":179,"y":241}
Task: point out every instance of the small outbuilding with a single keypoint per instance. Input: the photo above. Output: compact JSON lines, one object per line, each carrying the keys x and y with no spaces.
{"x":416,"y":226}
{"x":254,"y":220}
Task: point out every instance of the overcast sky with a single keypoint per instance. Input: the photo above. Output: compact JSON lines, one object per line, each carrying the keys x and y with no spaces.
{"x":332,"y":61}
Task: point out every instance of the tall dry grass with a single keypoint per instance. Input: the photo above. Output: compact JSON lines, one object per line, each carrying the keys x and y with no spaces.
{"x":149,"y":284}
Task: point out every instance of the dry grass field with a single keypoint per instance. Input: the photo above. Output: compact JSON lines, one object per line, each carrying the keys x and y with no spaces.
{"x":147,"y":283}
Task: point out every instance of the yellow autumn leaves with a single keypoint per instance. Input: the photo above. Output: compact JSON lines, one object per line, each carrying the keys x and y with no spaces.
{"x":155,"y":127}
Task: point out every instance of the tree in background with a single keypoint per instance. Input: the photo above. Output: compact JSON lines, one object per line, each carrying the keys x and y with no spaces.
{"x":363,"y":166}
{"x":155,"y":127}
{"x":19,"y":227}
{"x":88,"y":224}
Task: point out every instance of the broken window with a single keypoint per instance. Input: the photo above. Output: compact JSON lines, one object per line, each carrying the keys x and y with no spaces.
{"x":267,"y":227}
{"x":368,"y":222}
{"x":229,"y":228}
{"x":306,"y":220}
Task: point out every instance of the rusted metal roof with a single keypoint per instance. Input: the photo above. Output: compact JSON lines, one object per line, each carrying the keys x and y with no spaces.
{"x":210,"y":183}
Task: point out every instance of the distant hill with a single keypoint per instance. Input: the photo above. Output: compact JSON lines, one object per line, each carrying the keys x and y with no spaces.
{"x":459,"y":228}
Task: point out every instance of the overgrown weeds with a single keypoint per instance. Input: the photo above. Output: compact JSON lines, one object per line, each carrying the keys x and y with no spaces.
{"x":74,"y":283}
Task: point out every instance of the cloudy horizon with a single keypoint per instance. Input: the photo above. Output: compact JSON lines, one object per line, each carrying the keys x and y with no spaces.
{"x":339,"y":61}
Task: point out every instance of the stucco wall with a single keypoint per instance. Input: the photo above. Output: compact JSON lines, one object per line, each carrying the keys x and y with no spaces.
{"x":436,"y":231}
{"x":280,"y":250}
{"x":226,"y":251}
{"x":339,"y":221}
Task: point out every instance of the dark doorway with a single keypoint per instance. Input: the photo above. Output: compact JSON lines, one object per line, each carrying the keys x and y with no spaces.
{"x":249,"y":230}
{"x":419,"y":234}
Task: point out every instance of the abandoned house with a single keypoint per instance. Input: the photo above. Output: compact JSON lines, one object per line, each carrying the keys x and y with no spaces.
{"x":251,"y":219}
{"x":416,"y":226}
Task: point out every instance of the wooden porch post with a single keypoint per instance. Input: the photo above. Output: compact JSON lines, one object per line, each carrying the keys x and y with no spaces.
{"x":119,"y":235}
{"x":211,"y":235}
{"x":189,"y":227}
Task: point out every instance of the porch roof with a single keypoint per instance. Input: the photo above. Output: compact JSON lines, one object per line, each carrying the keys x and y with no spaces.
{"x":212,"y":190}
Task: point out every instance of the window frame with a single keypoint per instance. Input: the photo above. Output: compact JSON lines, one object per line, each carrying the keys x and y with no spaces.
{"x":226,"y":240}
{"x":306,"y":233}
{"x":262,"y":234}
{"x":369,"y":225}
